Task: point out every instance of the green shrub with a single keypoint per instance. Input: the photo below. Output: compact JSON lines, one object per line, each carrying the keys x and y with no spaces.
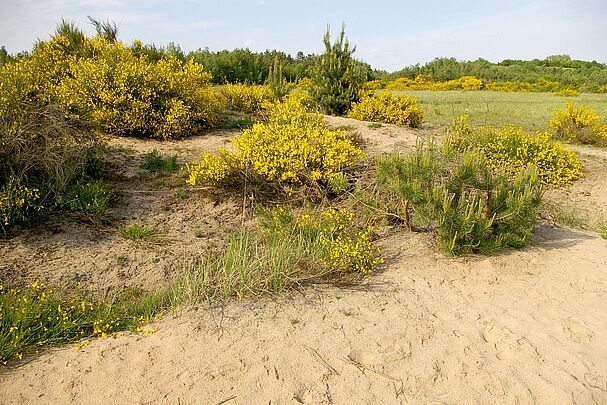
{"x":17,"y":203}
{"x":579,"y":124}
{"x":337,"y":77}
{"x":89,"y":198}
{"x":155,"y":163}
{"x":511,"y":150}
{"x":399,"y":110}
{"x":292,"y":147}
{"x":276,"y":81}
{"x":472,"y":208}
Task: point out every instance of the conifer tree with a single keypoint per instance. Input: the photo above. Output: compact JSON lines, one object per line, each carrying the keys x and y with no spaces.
{"x":337,"y":77}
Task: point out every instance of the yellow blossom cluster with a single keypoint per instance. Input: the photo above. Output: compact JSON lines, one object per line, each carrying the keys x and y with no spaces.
{"x":247,"y":99}
{"x":343,"y":245}
{"x":293,"y":146}
{"x":579,"y":124}
{"x":511,"y":150}
{"x":16,"y":201}
{"x":388,"y":108}
{"x":470,"y":83}
{"x":426,"y":83}
{"x":125,"y":94}
{"x":349,"y":248}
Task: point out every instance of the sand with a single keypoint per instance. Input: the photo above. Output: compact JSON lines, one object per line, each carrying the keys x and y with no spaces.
{"x":525,"y":326}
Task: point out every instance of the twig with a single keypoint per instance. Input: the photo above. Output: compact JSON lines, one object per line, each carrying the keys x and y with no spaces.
{"x":364,"y":368}
{"x":227,"y":400}
{"x":390,"y":214}
{"x":330,"y":367}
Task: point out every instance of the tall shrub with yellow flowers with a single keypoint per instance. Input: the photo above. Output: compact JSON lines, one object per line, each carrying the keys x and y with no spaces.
{"x":292,"y":147}
{"x":125,"y":94}
{"x":579,"y":124}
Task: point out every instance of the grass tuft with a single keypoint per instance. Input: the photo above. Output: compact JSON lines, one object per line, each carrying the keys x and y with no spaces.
{"x":134,"y":232}
{"x":154,"y":162}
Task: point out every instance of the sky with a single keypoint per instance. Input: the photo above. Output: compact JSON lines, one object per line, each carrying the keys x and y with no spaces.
{"x":388,"y":35}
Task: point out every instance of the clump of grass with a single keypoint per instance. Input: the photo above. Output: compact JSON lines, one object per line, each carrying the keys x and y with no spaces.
{"x":89,"y":198}
{"x":374,"y":125}
{"x":345,"y":127}
{"x":154,"y":162}
{"x":240,"y":123}
{"x":135,"y":232}
{"x":38,"y":316}
{"x":181,"y":194}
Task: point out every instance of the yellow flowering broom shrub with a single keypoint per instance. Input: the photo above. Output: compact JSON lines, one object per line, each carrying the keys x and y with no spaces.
{"x":292,"y":147}
{"x":125,"y":94}
{"x":511,"y":150}
{"x":579,"y":124}
{"x":244,"y":98}
{"x":388,"y":108}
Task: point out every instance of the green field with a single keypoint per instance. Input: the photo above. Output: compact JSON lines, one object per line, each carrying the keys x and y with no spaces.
{"x":531,"y":111}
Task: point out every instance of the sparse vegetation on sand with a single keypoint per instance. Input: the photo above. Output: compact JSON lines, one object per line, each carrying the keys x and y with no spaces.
{"x":287,"y":202}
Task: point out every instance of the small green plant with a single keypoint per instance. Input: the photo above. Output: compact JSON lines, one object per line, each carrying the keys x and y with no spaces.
{"x":134,"y":232}
{"x":181,"y":194}
{"x":345,"y":127}
{"x":17,"y":202}
{"x":122,"y":260}
{"x":89,"y":198}
{"x":374,"y":125}
{"x":154,"y":162}
{"x":240,"y":123}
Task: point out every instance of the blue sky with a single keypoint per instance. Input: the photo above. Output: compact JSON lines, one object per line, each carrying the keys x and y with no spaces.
{"x":388,"y":34}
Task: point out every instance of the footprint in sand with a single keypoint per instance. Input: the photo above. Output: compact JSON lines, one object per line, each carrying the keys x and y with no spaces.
{"x":498,"y":338}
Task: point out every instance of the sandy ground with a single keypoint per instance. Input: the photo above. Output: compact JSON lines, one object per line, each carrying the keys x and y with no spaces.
{"x":522,"y":327}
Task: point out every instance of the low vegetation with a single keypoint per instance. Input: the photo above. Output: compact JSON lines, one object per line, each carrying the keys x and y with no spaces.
{"x":135,"y":232}
{"x":154,"y":162}
{"x":472,"y":208}
{"x":580,"y":125}
{"x":37,"y":316}
{"x":388,"y":108}
{"x":511,"y":149}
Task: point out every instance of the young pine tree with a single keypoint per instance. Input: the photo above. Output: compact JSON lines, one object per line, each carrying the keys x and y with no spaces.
{"x":337,"y":76}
